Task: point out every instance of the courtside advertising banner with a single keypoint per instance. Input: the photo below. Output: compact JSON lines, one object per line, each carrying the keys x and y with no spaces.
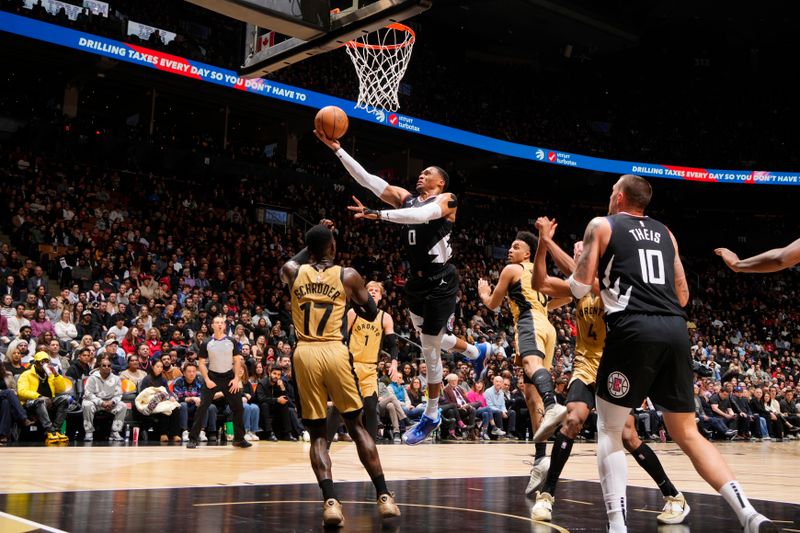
{"x":145,"y":57}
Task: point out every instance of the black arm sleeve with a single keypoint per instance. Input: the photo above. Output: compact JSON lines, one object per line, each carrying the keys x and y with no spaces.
{"x":302,"y":257}
{"x":367,"y":311}
{"x":391,"y":345}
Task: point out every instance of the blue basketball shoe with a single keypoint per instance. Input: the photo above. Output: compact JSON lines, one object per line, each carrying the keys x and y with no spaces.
{"x":420,"y":431}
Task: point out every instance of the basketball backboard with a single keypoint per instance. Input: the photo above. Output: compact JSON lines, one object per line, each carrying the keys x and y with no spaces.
{"x":283,"y":32}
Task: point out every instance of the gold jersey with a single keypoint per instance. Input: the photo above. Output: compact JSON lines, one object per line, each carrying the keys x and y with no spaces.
{"x":522,"y":297}
{"x":365,"y":339}
{"x":319,"y":303}
{"x":591,"y":339}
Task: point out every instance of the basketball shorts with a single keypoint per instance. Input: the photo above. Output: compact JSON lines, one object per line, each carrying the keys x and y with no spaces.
{"x":325,"y":370}
{"x":581,"y":392}
{"x":647,"y":355}
{"x":367,"y":374}
{"x":434,"y":299}
{"x":537,"y":337}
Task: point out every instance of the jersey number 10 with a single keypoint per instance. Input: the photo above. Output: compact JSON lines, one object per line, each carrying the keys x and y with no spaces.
{"x":652,"y":263}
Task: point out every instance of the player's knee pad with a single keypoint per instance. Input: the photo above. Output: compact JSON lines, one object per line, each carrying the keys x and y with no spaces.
{"x":431,"y":350}
{"x":448,"y":342}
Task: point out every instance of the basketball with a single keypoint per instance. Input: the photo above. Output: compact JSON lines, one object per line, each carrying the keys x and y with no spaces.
{"x":332,"y":122}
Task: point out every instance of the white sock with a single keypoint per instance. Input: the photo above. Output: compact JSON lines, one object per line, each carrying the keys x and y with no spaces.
{"x":432,"y":408}
{"x":611,"y":463}
{"x":734,"y":495}
{"x":471,"y":352}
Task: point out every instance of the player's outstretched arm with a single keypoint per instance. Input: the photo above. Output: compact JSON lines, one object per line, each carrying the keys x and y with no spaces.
{"x":359,"y":297}
{"x":595,"y":240}
{"x":391,"y":194}
{"x":493,"y":298}
{"x":445,"y":206}
{"x":547,"y":229}
{"x":681,"y":285}
{"x":390,"y":342}
{"x":541,"y":281}
{"x":769,"y":261}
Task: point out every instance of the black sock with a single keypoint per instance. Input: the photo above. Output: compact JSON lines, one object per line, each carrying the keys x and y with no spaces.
{"x":543,"y":382}
{"x":541,"y":451}
{"x":562,"y":447}
{"x":380,"y":485}
{"x":327,"y":489}
{"x":649,"y":461}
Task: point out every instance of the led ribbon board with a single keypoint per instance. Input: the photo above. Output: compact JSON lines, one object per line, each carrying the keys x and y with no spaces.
{"x":130,"y":53}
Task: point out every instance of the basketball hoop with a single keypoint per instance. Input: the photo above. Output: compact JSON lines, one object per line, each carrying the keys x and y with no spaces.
{"x":381,"y":59}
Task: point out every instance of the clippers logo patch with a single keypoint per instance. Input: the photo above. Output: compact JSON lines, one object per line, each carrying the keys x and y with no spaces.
{"x":618,"y":384}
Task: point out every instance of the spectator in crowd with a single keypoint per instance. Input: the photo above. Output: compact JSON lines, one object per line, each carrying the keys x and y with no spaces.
{"x":131,"y":341}
{"x":483,"y":413}
{"x":745,"y":412}
{"x":40,"y":323}
{"x":390,"y":406}
{"x":81,"y":367}
{"x":462,"y":411}
{"x":103,"y":392}
{"x":133,"y":373}
{"x":496,"y":401}
{"x":25,"y":341}
{"x":16,"y":322}
{"x":187,"y":391}
{"x":87,"y":326}
{"x":710,"y":422}
{"x":115,"y":354}
{"x":10,"y":409}
{"x":165,"y":426}
{"x":274,"y":402}
{"x":66,"y":332}
{"x":251,"y":410}
{"x":41,"y":388}
{"x":171,"y":372}
{"x":14,"y":360}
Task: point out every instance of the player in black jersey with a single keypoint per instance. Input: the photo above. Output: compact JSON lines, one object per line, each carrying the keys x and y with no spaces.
{"x":643,"y":287}
{"x":432,"y":280}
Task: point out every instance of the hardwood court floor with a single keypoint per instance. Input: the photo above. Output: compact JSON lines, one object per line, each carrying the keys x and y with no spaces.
{"x":270,"y":487}
{"x":767,"y":470}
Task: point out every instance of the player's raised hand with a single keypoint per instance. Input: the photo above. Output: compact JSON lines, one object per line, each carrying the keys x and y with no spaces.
{"x":361,"y":211}
{"x":328,"y":223}
{"x":546,"y":227}
{"x":483,"y":288}
{"x":729,"y":257}
{"x":330,"y":143}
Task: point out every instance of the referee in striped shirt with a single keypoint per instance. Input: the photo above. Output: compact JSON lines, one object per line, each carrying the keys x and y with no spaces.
{"x":221,"y":363}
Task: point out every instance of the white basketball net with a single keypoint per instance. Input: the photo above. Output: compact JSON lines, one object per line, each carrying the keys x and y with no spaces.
{"x":381,"y":59}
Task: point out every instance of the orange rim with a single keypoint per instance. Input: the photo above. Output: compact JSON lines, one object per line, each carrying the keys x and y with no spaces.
{"x":396,"y":26}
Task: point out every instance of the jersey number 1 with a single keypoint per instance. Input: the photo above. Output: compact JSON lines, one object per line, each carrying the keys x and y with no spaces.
{"x":306,"y":307}
{"x":652,"y":263}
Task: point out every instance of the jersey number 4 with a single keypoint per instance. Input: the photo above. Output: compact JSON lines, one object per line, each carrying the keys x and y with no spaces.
{"x":652,"y":263}
{"x":306,"y":307}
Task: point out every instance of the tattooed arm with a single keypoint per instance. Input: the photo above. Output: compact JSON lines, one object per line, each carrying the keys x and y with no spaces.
{"x":595,"y":240}
{"x":681,"y":285}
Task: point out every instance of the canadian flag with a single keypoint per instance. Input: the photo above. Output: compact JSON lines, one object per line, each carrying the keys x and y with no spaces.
{"x":265,"y":41}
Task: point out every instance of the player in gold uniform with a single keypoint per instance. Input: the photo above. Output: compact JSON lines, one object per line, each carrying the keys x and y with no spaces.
{"x":366,"y":339}
{"x":322,"y":363}
{"x":589,"y":315}
{"x":535,"y":340}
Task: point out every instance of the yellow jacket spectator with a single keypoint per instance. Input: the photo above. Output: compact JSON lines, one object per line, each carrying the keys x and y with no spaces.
{"x":40,"y":388}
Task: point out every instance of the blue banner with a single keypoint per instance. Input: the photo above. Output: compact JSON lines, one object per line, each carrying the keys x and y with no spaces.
{"x":194,"y":69}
